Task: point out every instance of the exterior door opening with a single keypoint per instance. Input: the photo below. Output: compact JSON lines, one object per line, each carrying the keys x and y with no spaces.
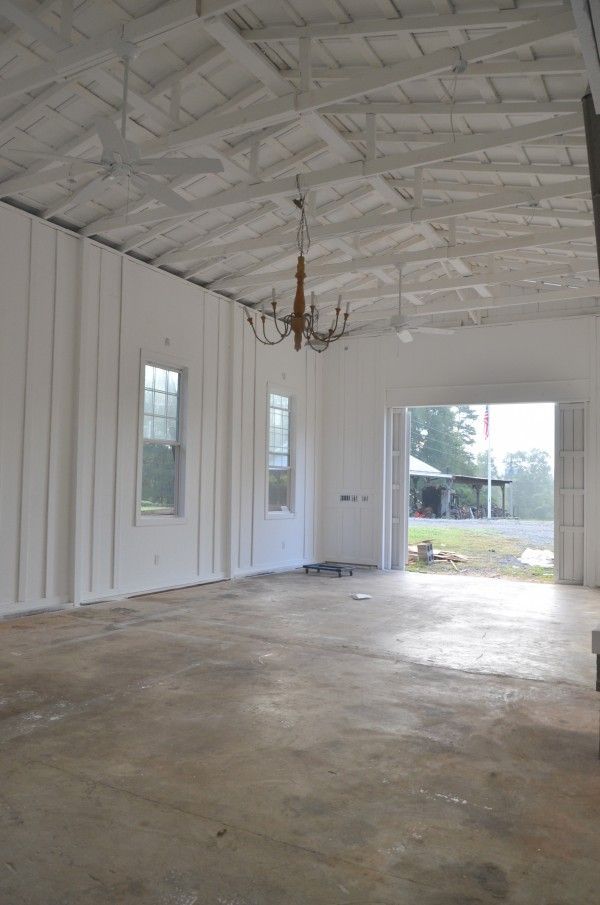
{"x":444,"y":459}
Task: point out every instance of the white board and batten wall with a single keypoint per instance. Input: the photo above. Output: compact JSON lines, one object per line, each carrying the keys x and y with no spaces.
{"x":366,"y":378}
{"x":76,"y":319}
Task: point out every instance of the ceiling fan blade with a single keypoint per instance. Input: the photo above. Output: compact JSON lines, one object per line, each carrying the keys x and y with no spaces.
{"x":161,"y":192}
{"x":405,"y":336}
{"x":90,"y":191}
{"x":438,"y":331}
{"x":111,"y":139}
{"x":59,"y":158}
{"x":179,"y":166}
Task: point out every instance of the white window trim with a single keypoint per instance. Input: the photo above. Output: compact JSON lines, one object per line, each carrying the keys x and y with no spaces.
{"x":281,"y":391}
{"x":179,"y":517}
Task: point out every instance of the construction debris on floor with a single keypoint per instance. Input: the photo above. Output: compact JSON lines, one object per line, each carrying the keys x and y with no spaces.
{"x":543,"y":558}
{"x":436,"y":555}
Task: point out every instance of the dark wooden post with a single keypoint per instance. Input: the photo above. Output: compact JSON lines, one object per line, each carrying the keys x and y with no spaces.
{"x":503,"y":486}
{"x":591,"y":120}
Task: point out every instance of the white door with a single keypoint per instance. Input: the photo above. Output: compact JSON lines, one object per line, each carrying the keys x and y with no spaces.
{"x":400,"y":457}
{"x":569,"y":522}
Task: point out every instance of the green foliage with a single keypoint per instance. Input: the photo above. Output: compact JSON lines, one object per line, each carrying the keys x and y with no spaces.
{"x":158,"y":477}
{"x":533,"y":487}
{"x":442,"y":436}
{"x":481,"y":465}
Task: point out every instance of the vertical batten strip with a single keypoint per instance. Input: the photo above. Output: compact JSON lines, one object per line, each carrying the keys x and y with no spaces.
{"x":47,"y":570}
{"x":118,"y":489}
{"x":21,"y":573}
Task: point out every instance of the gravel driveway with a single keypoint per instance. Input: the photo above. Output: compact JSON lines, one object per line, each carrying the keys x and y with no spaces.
{"x":529,"y":533}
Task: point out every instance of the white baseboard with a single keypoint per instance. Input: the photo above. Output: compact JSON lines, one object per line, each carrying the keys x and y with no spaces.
{"x":124,"y":593}
{"x":33,"y":607}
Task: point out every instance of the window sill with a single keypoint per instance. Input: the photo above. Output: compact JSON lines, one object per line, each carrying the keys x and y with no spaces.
{"x":280,"y":515}
{"x":156,"y":521}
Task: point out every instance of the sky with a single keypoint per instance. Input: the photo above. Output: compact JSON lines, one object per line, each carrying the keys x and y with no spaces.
{"x":516,"y":427}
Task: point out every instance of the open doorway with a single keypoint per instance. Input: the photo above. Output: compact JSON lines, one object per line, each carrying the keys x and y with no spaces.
{"x":481,"y":490}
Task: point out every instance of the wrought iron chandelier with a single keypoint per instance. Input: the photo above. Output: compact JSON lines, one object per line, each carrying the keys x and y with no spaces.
{"x":302,"y":323}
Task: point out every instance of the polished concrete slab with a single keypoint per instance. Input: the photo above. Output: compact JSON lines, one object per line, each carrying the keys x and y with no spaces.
{"x":274,"y":742}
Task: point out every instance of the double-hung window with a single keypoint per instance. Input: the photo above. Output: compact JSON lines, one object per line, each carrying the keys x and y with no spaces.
{"x":280,"y":454}
{"x":161,"y":459}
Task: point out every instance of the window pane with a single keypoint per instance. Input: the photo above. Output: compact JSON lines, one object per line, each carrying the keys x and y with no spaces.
{"x":160,"y":379}
{"x":160,"y":404}
{"x":149,"y":376}
{"x":171,"y":406}
{"x":173,"y":381}
{"x":160,"y":429}
{"x":159,"y":469}
{"x":171,"y":427}
{"x":148,"y":402}
{"x":148,"y":427}
{"x":279,"y":490}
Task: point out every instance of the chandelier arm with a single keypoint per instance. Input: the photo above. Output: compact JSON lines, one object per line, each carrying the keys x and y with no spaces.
{"x":325,"y":337}
{"x":342,"y":331}
{"x":265,"y":341}
{"x":307,"y":330}
{"x":286,"y":330}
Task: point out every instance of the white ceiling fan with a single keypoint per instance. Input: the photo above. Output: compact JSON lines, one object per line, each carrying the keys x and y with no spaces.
{"x":120,"y":159}
{"x":404,"y":331}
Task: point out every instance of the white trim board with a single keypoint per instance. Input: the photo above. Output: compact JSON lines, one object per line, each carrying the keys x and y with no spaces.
{"x":492,"y":393}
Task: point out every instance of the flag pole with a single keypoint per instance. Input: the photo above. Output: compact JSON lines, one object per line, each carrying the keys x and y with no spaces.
{"x":489,"y":474}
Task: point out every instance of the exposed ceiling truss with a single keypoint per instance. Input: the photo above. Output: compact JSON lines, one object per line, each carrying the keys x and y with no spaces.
{"x":449,"y":141}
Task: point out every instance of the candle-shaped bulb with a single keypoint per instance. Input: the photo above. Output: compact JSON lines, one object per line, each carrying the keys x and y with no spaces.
{"x":273,"y":299}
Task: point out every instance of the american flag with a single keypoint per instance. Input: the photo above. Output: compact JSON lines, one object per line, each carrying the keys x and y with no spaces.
{"x":486,"y":422}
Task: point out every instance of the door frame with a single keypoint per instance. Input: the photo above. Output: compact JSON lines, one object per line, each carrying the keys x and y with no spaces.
{"x":567,"y":391}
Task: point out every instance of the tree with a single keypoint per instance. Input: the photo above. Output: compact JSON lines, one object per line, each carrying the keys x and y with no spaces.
{"x":533,"y":483}
{"x":481,"y":465}
{"x":443,"y":436}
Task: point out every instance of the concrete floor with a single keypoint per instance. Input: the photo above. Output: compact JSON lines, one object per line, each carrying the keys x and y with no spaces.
{"x":274,"y":742}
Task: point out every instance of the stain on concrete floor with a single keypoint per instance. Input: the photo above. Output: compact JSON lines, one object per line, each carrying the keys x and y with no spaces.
{"x":274,"y":742}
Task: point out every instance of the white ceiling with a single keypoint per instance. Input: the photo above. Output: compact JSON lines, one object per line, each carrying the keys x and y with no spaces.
{"x":402,"y":157}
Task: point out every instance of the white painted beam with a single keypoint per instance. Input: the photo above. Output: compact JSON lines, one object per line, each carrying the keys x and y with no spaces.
{"x":433,"y":138}
{"x":66,"y":20}
{"x":43,"y":170}
{"x":362,"y":28}
{"x":533,"y":169}
{"x":394,"y":221}
{"x":505,"y":301}
{"x":145,"y":31}
{"x":439,"y":108}
{"x":447,"y":284}
{"x":291,"y":106}
{"x":540,"y":238}
{"x":186,"y":252}
{"x":563,"y":65}
{"x":17,"y":13}
{"x":463,"y":145}
{"x":587,"y":18}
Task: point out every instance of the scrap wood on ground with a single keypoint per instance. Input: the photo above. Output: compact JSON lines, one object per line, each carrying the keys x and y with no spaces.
{"x":439,"y":555}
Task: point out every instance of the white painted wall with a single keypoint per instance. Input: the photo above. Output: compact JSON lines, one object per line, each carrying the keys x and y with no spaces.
{"x":74,"y":320}
{"x":526,"y":362}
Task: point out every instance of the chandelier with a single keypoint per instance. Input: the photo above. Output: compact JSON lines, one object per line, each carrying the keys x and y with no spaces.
{"x":302,"y":323}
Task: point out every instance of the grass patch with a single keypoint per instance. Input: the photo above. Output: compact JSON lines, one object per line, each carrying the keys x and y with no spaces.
{"x":490,"y":554}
